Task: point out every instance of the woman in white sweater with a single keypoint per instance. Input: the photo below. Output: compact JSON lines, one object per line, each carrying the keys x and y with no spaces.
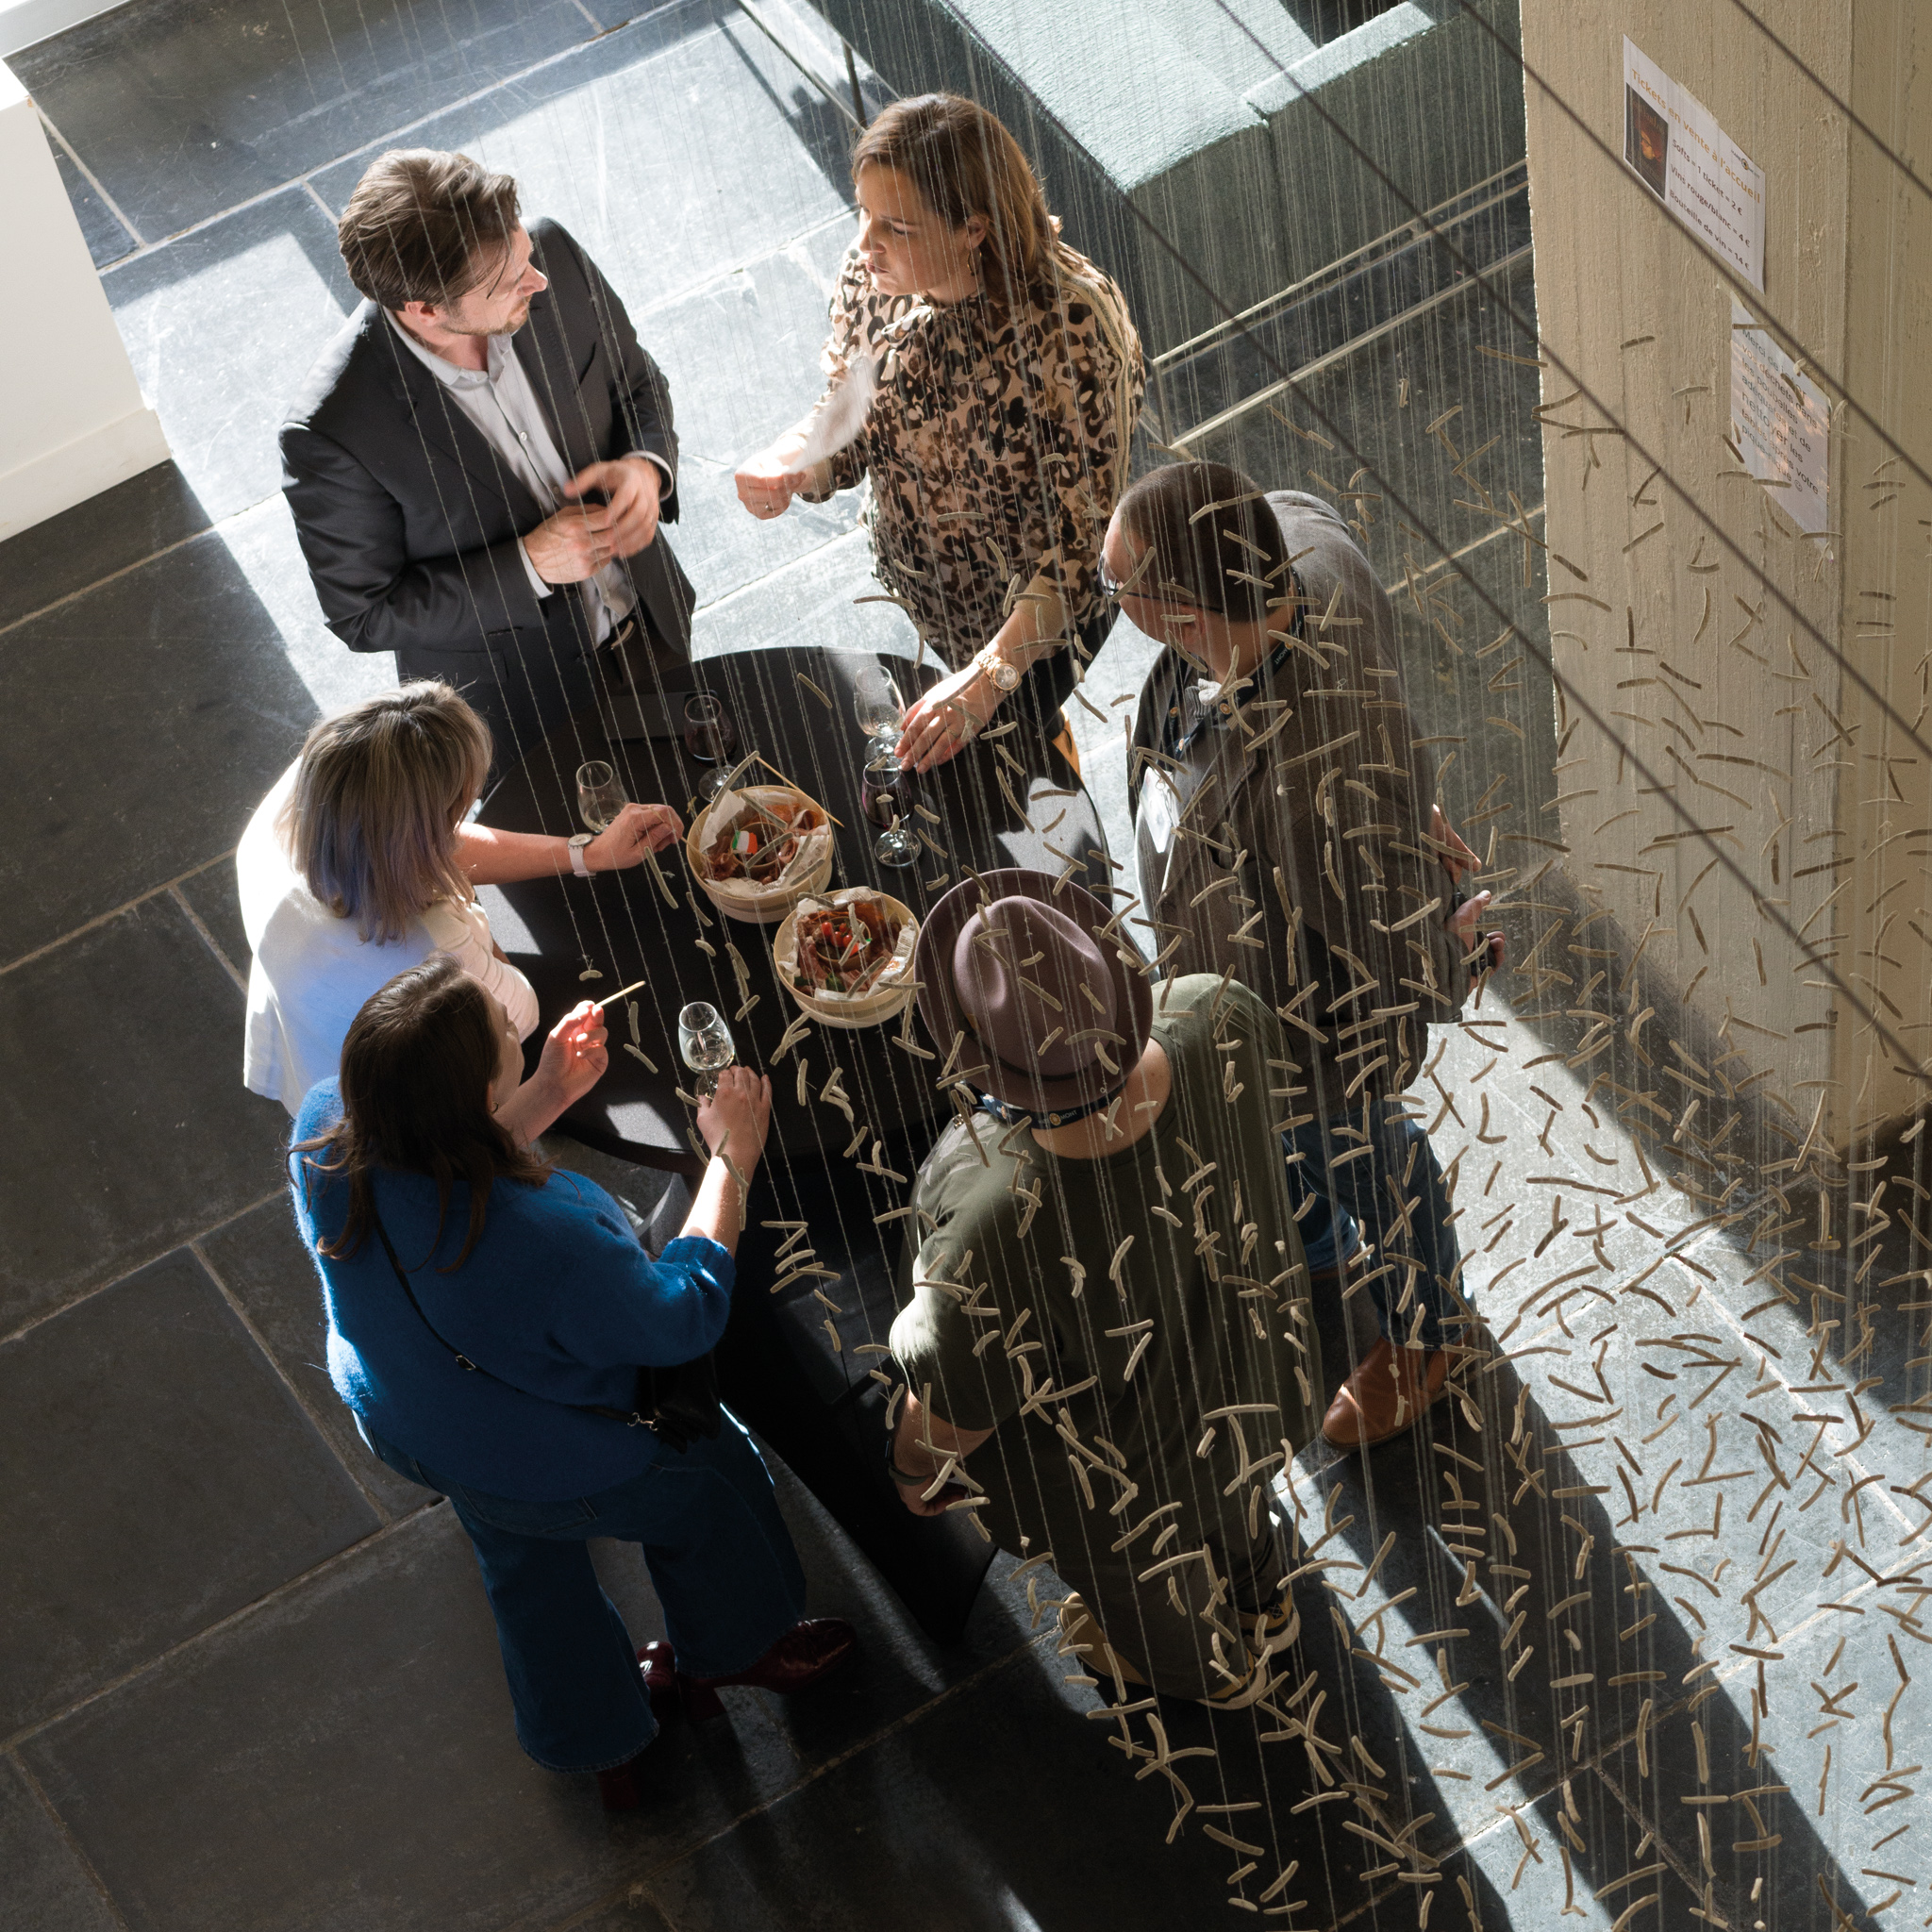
{"x":359,"y":865}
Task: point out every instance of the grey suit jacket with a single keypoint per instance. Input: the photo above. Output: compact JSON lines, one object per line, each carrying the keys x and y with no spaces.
{"x":409,"y":520}
{"x":1305,"y":873}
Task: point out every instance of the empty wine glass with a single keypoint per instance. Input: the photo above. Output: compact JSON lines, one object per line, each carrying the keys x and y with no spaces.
{"x":705,"y":1043}
{"x":885,"y":800}
{"x":708,"y":737}
{"x":878,"y":707}
{"x":600,"y":797}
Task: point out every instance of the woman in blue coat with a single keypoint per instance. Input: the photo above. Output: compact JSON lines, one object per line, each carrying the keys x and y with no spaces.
{"x":518,"y":1305}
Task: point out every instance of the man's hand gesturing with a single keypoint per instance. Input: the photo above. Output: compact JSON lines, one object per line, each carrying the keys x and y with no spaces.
{"x":582,"y":537}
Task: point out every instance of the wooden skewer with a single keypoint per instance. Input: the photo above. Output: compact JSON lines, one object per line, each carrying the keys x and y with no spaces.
{"x":797,"y":788}
{"x":634,"y":984}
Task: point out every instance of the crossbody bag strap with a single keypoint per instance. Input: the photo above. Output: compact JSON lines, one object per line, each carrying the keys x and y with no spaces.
{"x":463,"y":1361}
{"x":630,"y":1416}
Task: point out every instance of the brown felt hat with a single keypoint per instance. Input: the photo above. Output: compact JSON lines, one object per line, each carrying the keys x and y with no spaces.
{"x":1021,"y":963}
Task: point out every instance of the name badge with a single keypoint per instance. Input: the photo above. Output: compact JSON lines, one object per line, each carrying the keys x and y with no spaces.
{"x":1159,"y":812}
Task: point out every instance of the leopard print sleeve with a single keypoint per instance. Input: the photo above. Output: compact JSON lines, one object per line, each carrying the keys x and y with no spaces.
{"x":995,"y":447}
{"x":1084,"y":406}
{"x":852,"y":323}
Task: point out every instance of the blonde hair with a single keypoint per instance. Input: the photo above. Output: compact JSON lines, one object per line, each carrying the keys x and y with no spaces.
{"x":371,"y":821}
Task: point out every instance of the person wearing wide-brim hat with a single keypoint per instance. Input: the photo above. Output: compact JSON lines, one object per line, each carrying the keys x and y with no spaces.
{"x":1110,"y":1282}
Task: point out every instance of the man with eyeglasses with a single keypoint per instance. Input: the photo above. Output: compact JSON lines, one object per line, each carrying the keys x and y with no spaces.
{"x":1287,"y":834}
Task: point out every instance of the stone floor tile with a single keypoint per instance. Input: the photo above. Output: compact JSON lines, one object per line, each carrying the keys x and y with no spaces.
{"x":221,"y":326}
{"x":704,"y":155}
{"x":242,"y":96}
{"x":999,"y":1806}
{"x":261,"y":544}
{"x":108,"y":236}
{"x":165,"y":1478}
{"x":260,"y":1260}
{"x":48,"y":1886}
{"x":212,"y":896}
{"x":145,"y":718}
{"x":741,"y":356}
{"x":631,"y":1911}
{"x":1829,"y":1815}
{"x":810,"y":601}
{"x":123,"y":1109}
{"x":108,"y":533}
{"x":344,"y":1758}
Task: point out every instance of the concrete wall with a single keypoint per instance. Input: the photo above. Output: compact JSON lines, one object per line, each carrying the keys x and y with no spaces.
{"x":72,"y":418}
{"x":1201,"y":121}
{"x":1734,"y":709}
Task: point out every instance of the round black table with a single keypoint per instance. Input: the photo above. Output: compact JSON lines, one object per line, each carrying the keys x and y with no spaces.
{"x":801,"y":1366}
{"x":620,"y":925}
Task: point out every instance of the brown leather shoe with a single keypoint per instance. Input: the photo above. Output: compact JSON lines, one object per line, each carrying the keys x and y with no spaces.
{"x":803,"y":1655}
{"x":1387,"y":1395}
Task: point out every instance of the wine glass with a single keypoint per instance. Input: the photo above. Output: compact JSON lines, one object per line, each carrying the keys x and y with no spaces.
{"x":705,"y":1043}
{"x":600,"y":797}
{"x":885,"y":801}
{"x":878,"y":707}
{"x":708,"y":737}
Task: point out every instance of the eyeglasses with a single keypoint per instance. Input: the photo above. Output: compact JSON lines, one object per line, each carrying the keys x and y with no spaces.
{"x":1139,"y":585}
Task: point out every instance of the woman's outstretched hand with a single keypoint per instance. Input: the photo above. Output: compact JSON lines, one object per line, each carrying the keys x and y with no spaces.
{"x":947,"y":718}
{"x":635,"y":830}
{"x":575,"y":1057}
{"x":740,"y":1107}
{"x":767,"y":482}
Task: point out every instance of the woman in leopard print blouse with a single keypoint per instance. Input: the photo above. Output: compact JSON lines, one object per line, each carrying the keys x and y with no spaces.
{"x":1006,"y":380}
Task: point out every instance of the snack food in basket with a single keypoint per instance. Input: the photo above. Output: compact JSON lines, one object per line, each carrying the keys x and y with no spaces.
{"x":759,"y":844}
{"x":848,"y":960}
{"x":758,"y":849}
{"x":843,"y":948}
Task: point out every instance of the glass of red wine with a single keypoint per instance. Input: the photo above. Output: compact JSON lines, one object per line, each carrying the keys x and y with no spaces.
{"x":708,"y":737}
{"x":885,"y":800}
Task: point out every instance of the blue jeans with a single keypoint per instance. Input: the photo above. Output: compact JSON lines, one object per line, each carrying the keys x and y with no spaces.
{"x":720,"y":1561}
{"x":1394,"y":1194}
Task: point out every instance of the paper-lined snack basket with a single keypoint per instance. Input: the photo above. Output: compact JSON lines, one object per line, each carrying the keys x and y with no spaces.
{"x":852,"y":965}
{"x":757,"y":850}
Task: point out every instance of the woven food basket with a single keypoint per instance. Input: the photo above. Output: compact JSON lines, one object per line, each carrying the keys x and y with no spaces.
{"x":887,"y":995}
{"x":810,"y":870}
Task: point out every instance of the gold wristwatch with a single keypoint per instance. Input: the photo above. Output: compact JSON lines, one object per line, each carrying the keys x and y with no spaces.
{"x":1005,"y":676}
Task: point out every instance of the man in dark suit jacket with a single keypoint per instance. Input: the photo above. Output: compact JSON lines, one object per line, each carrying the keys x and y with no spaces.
{"x":479,"y":463}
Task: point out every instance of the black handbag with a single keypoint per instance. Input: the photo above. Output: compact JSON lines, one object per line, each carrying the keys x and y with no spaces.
{"x":678,"y":1404}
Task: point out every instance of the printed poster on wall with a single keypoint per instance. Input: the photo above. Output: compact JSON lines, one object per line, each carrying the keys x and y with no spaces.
{"x":1676,"y":149}
{"x":1780,"y":424}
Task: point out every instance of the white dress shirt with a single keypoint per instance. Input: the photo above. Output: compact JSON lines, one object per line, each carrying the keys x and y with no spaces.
{"x":311,"y":971}
{"x":498,"y":399}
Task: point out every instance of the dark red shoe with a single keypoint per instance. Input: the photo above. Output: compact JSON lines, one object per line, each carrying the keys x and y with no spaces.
{"x":806,"y":1653}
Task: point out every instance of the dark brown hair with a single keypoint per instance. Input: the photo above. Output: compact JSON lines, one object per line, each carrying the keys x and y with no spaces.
{"x":370,"y":821}
{"x":425,"y":227}
{"x":964,"y":162}
{"x":1215,"y":543}
{"x":416,"y":1072}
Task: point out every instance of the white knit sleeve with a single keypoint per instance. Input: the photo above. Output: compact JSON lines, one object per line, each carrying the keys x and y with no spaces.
{"x":463,"y":933}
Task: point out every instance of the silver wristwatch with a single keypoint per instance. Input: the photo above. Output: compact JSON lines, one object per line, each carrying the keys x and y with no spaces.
{"x":578,"y":863}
